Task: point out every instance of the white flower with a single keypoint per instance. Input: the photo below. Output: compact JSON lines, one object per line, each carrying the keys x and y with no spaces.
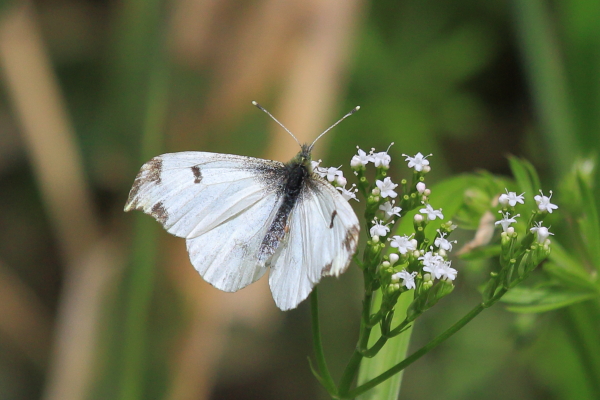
{"x":408,"y":279}
{"x":432,"y":263}
{"x":511,"y":198}
{"x":541,"y":232}
{"x":431,"y":213}
{"x":340,"y":180}
{"x":394,"y":258}
{"x":382,"y":159}
{"x":378,"y":229}
{"x":389,"y":209}
{"x":543,"y":202}
{"x":348,"y":193}
{"x":332,"y":173}
{"x":386,"y":188}
{"x":507,"y":220}
{"x":421,"y":187}
{"x":403,"y":243}
{"x":442,"y":243}
{"x":446,"y":271}
{"x":361,"y":159}
{"x":419,"y":161}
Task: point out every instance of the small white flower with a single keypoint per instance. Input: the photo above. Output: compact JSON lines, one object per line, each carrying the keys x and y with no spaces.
{"x":443,"y":243}
{"x":511,"y":198}
{"x":361,"y":159}
{"x":421,"y":187}
{"x":394,"y":258}
{"x":431,"y":213}
{"x":507,"y":220}
{"x":418,"y":162}
{"x":340,"y":180}
{"x":378,"y":229}
{"x":348,"y":193}
{"x":332,"y":173}
{"x":543,"y":202}
{"x":541,"y":232}
{"x":389,"y":209}
{"x":403,"y":243}
{"x":446,"y":271}
{"x":386,"y":188}
{"x":408,"y":279}
{"x":382,"y":159}
{"x":315,"y":164}
{"x":433,"y":264}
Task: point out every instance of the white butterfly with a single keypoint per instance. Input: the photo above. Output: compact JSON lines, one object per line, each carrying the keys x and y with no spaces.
{"x":241,"y":215}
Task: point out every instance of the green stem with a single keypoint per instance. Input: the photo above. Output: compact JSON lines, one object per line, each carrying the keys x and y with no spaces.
{"x":422,"y":351}
{"x":318,"y":345}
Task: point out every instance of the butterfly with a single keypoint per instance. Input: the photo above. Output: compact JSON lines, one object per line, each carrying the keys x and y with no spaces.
{"x":241,"y":216}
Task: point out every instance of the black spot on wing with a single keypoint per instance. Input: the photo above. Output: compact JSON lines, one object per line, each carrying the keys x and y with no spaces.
{"x":197,"y":174}
{"x":159,"y":212}
{"x":154,"y":168}
{"x":351,"y":240}
{"x":149,"y":173}
{"x":333,"y":214}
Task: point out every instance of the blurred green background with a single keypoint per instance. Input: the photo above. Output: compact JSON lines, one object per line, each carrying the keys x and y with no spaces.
{"x":99,"y":304}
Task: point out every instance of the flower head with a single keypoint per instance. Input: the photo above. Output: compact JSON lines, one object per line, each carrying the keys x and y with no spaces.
{"x":433,"y":263}
{"x":386,"y":188}
{"x":404,"y":244}
{"x":446,"y":271}
{"x":543,"y":202}
{"x":408,"y":279}
{"x":389,"y":209}
{"x":421,"y":187}
{"x":379,"y":229}
{"x":361,"y":159}
{"x":443,"y":243}
{"x":418,"y":162}
{"x":382,"y":159}
{"x":507,"y":220}
{"x":511,"y":198}
{"x":541,"y":232}
{"x":431,"y":213}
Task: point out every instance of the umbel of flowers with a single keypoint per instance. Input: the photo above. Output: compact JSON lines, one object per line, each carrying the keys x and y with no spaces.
{"x":418,"y":264}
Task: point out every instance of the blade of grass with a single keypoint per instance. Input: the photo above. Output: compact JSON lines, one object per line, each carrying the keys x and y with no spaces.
{"x":145,"y":251}
{"x":545,"y":70}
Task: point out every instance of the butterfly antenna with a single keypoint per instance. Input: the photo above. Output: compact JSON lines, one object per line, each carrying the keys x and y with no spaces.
{"x":275,"y":119}
{"x":355,"y":109}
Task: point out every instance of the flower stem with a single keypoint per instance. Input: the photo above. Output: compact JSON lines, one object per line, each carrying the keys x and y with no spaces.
{"x":423,"y":350}
{"x":326,"y":379}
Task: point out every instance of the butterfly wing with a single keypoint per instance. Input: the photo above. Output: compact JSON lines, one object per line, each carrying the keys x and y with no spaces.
{"x":322,"y":237}
{"x":222,"y":204}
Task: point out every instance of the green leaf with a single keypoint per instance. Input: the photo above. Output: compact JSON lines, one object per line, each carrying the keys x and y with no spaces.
{"x":542,"y":299}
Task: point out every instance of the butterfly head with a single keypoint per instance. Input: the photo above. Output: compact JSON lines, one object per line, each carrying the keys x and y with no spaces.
{"x":303,"y":158}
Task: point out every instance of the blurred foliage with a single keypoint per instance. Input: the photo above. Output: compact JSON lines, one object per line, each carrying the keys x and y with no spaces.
{"x":469,"y":81}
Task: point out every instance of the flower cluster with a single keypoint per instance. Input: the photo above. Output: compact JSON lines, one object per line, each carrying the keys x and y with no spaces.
{"x":509,"y":200}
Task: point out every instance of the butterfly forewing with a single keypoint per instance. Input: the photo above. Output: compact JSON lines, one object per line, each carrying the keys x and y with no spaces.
{"x":322,"y":237}
{"x":222,"y":204}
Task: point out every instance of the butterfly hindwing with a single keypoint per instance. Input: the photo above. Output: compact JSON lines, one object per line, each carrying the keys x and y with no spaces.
{"x":321,"y":239}
{"x":222,"y":204}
